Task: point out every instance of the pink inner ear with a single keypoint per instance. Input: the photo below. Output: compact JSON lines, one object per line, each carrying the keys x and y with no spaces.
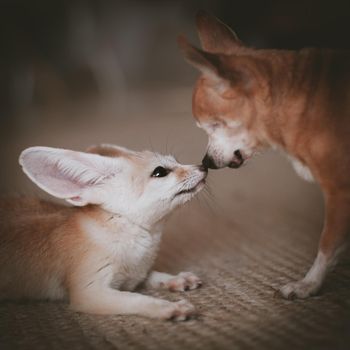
{"x":75,"y":199}
{"x":58,"y":176}
{"x":66,"y":174}
{"x":55,"y":180}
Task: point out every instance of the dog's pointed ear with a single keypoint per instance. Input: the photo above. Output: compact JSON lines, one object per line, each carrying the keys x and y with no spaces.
{"x":207,"y":63}
{"x":73,"y":176}
{"x":215,"y":36}
{"x":225,"y":71}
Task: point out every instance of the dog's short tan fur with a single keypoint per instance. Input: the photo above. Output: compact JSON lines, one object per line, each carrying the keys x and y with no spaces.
{"x":52,"y":251}
{"x":298,"y":101}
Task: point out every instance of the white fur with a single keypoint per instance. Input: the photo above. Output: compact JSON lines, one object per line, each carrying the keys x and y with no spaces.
{"x":126,"y":230}
{"x":302,"y":170}
{"x":318,"y":269}
{"x":67,"y":174}
{"x":129,"y":249}
{"x":118,"y":184}
{"x":224,"y":140}
{"x":182,"y":282}
{"x":312,"y":282}
{"x":234,"y":124}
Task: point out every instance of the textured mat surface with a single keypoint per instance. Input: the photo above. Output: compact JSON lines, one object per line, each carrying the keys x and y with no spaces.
{"x":256,"y":232}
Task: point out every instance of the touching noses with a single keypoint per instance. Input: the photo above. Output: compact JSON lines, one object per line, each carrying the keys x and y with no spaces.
{"x":208,"y":162}
{"x":236,"y":161}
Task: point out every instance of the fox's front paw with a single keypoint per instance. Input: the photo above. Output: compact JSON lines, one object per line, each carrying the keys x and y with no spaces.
{"x":301,"y":289}
{"x":178,"y":311}
{"x":182,"y":282}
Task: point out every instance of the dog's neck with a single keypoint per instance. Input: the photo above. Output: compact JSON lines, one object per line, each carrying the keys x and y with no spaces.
{"x":291,"y":95}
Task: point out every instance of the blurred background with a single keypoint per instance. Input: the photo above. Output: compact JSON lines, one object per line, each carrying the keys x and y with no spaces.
{"x":71,"y":64}
{"x":75,"y":73}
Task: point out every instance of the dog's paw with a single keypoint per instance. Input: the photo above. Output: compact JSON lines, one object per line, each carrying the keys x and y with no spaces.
{"x":177,"y":311}
{"x":301,"y":289}
{"x":182,"y":282}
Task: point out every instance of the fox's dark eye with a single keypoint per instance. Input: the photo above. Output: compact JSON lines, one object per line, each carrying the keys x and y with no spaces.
{"x":159,"y":171}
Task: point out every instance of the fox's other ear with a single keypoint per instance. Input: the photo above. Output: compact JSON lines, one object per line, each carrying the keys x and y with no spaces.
{"x":207,"y":63}
{"x":73,"y":176}
{"x":109,"y":150}
{"x":215,"y":36}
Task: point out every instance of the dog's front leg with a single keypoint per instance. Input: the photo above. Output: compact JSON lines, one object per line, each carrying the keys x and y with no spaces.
{"x":333,"y":240}
{"x":182,"y":282}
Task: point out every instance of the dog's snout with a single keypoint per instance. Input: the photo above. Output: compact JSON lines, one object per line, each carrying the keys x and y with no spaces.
{"x":208,"y":162}
{"x":238,"y":155}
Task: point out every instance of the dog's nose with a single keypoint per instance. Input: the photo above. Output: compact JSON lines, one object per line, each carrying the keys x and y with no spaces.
{"x":237,"y":161}
{"x":208,"y":162}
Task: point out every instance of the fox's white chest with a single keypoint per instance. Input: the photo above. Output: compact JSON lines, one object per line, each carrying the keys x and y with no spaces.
{"x":129,"y":249}
{"x":134,"y":258}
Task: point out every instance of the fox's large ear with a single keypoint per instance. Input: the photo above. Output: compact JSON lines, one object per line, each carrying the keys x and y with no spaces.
{"x":207,"y":63}
{"x":215,"y":36}
{"x":73,"y":176}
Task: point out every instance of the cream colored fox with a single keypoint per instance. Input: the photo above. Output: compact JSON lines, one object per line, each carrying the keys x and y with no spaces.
{"x":110,"y":236}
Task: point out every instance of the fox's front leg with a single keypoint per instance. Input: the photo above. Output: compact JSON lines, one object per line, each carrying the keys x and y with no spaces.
{"x":111,"y":301}
{"x":90,"y":291}
{"x":179,"y":283}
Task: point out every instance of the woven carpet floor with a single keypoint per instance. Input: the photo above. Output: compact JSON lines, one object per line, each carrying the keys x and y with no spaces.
{"x":257,"y":230}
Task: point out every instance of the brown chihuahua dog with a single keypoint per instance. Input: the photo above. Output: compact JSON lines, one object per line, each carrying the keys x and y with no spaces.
{"x":299,"y":101}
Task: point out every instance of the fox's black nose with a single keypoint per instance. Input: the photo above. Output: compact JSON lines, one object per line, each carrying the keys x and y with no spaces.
{"x":208,"y":162}
{"x":202,"y":168}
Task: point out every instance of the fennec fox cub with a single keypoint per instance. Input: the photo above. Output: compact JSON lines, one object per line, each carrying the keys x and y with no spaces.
{"x":111,"y":233}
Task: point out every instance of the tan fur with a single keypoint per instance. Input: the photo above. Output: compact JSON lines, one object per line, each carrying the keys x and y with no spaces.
{"x":181,"y":173}
{"x":107,"y":150}
{"x":52,"y":251}
{"x":298,"y":101}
